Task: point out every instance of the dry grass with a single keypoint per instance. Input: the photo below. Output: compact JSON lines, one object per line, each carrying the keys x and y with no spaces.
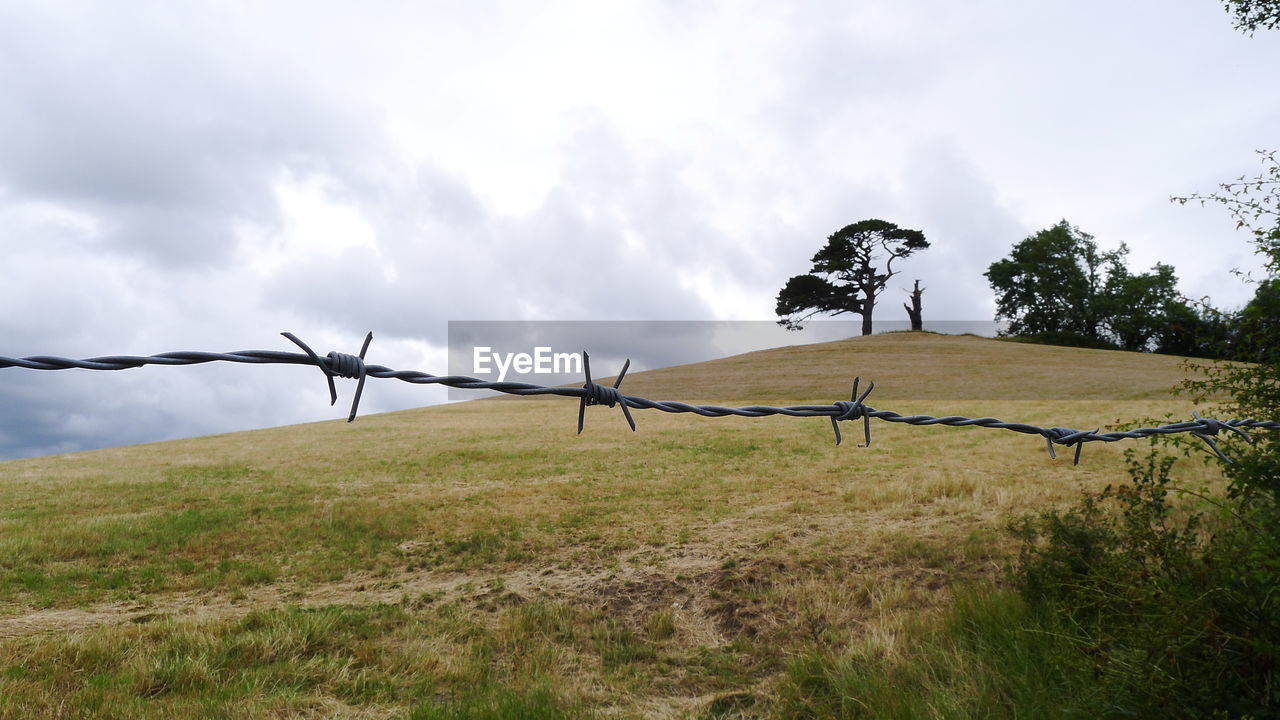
{"x":670,"y":572}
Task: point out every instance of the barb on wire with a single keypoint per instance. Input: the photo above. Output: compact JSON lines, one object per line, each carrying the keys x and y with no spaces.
{"x":337,"y":364}
{"x":603,"y":394}
{"x":852,"y":409}
{"x":1209,"y":428}
{"x":1068,"y":437}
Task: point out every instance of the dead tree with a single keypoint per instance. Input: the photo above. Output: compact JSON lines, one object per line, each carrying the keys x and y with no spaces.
{"x":913,"y":312}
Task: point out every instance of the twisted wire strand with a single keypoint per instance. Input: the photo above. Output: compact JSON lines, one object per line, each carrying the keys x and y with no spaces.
{"x":337,"y":364}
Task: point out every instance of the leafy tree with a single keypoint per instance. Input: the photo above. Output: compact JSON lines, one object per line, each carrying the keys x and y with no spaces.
{"x":1056,"y":285}
{"x":1194,"y":332}
{"x":1050,"y":283}
{"x":847,"y":275}
{"x":1253,"y":14}
{"x":1138,"y":308}
{"x":1259,"y":325}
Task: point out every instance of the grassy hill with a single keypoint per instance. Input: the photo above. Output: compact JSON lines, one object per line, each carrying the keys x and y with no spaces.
{"x":480,"y":559}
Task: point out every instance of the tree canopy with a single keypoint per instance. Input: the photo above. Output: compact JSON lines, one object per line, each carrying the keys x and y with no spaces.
{"x":1250,"y":15}
{"x":848,"y":273}
{"x":1058,"y":285}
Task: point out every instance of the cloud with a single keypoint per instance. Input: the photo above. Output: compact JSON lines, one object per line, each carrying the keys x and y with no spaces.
{"x":606,"y":242}
{"x":968,"y":228}
{"x":152,"y":132}
{"x":203,"y":176}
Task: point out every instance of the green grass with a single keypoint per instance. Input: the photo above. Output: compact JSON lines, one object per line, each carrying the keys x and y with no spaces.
{"x":140,"y":547}
{"x":436,"y":661}
{"x":537,"y":703}
{"x":989,"y":657}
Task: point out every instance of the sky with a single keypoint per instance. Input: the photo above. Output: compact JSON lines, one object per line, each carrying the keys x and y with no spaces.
{"x":205,"y":175}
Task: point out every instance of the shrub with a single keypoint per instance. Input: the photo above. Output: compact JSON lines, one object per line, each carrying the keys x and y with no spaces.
{"x":1175,"y":606}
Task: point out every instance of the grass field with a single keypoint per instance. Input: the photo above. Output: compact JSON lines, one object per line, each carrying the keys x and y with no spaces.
{"x":482,"y":560}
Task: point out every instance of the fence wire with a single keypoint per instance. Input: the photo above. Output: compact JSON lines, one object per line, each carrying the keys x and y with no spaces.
{"x":336,"y":364}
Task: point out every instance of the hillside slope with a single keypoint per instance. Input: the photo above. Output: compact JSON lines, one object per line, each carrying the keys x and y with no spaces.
{"x":680,"y":563}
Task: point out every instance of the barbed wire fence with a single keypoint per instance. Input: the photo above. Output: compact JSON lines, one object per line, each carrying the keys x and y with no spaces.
{"x":342,"y":365}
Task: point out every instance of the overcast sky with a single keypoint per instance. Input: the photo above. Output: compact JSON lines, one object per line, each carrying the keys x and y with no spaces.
{"x":202,"y":176}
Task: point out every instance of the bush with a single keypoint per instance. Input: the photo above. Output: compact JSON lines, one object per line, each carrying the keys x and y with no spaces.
{"x":1174,"y":606}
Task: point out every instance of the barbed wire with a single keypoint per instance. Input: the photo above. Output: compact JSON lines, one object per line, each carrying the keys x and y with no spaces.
{"x":336,"y":364}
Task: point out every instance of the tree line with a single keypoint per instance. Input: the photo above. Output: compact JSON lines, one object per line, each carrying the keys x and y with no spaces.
{"x":1057,"y":286}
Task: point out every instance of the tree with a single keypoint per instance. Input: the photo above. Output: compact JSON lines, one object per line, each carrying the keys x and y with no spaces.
{"x":1202,"y":331}
{"x":1058,"y":286}
{"x":846,"y":276}
{"x":913,"y":310}
{"x":1050,"y":283}
{"x":1137,"y":309}
{"x":1258,"y":326}
{"x":1250,"y":15}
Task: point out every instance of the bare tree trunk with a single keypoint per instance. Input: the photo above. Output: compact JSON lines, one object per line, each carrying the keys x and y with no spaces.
{"x":867,"y":307}
{"x":913,"y":312}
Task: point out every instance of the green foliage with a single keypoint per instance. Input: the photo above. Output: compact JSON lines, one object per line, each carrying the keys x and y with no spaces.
{"x":1173,"y":607}
{"x":1057,"y":285}
{"x":1259,"y":324}
{"x":1195,"y":332}
{"x":1136,"y":308}
{"x":1065,"y":339}
{"x":847,"y":276}
{"x":1254,"y":391}
{"x":1050,"y":282}
{"x":1250,"y":15}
